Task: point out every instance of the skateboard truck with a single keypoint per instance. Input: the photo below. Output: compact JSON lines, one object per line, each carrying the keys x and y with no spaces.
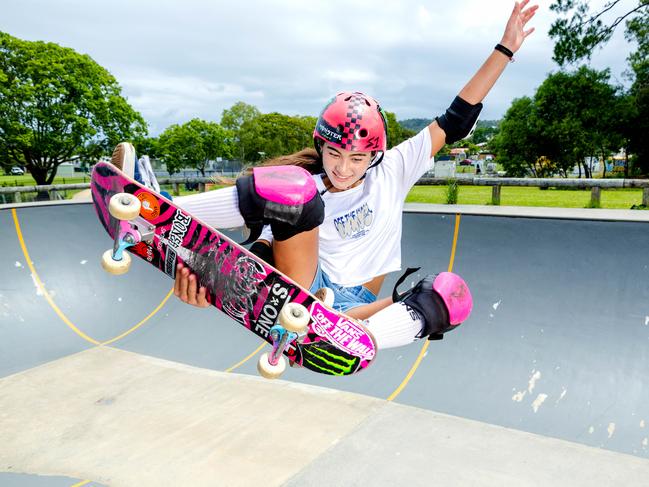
{"x":293,"y":322}
{"x":130,"y":229}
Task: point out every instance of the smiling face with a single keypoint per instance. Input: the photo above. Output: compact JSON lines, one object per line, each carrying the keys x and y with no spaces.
{"x":344,"y":168}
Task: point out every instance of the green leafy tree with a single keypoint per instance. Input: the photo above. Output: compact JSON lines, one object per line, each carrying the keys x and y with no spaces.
{"x":274,"y":134}
{"x":637,"y":113}
{"x":149,"y":146}
{"x":233,"y":119}
{"x":193,"y":145}
{"x":637,"y":30}
{"x":571,"y":117}
{"x":397,"y":133}
{"x":581,"y":31}
{"x":577,"y":112}
{"x":518,"y":143}
{"x":55,"y":104}
{"x":577,"y":36}
{"x":484,"y":131}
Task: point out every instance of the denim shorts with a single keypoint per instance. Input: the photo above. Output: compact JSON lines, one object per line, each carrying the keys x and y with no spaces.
{"x":344,"y":297}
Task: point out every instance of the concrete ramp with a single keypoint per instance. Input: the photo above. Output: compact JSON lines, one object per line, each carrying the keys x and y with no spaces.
{"x":109,"y":380}
{"x":123,"y":419}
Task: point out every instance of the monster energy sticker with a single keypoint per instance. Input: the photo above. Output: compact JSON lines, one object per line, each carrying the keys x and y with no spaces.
{"x":328,"y":360}
{"x":343,"y":333}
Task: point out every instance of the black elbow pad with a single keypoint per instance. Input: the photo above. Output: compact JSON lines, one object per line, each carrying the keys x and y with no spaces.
{"x":459,"y":120}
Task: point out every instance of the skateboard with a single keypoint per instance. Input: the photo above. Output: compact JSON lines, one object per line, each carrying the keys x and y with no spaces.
{"x":299,"y":327}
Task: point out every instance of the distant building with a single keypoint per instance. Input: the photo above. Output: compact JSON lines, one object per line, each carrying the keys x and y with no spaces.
{"x":460,"y":153}
{"x":65,"y":170}
{"x":445,"y":169}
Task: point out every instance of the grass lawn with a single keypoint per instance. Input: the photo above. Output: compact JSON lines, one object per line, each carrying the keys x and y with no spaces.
{"x":28,"y":180}
{"x":528,"y":196}
{"x":467,"y":195}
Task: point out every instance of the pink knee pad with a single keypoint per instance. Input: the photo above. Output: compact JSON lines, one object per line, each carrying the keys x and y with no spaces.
{"x":441,"y":301}
{"x":284,"y":197}
{"x":456,"y":296}
{"x":286,"y":185}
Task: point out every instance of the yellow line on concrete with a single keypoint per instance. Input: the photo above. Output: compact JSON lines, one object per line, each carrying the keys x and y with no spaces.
{"x":83,"y":482}
{"x":424,"y":348}
{"x":247,"y":358}
{"x":456,"y":233}
{"x":41,"y":286}
{"x":56,"y":309}
{"x":135,"y":327}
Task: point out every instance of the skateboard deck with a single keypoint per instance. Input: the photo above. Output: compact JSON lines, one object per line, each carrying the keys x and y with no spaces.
{"x":238,"y":283}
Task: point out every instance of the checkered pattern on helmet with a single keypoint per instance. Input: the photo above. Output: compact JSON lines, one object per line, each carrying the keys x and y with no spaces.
{"x":354,"y":115}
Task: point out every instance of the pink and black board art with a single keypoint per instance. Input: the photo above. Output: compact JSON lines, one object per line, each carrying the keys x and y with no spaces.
{"x":238,"y":283}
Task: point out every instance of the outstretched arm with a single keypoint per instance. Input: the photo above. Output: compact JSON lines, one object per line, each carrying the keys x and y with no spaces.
{"x":484,"y":79}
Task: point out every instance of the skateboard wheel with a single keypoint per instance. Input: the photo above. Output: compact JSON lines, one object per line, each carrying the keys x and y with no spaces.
{"x":269,"y":371}
{"x":113,"y":266}
{"x":294,"y":317}
{"x":124,"y":206}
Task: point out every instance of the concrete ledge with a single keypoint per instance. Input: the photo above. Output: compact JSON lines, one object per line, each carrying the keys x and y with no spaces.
{"x":532,"y":212}
{"x":33,"y":204}
{"x":483,"y":210}
{"x":125,"y":419}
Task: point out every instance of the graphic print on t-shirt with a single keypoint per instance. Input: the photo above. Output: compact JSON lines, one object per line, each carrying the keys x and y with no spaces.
{"x":354,"y":224}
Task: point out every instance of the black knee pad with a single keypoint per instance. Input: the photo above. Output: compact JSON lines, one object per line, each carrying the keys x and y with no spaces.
{"x":427,"y":303}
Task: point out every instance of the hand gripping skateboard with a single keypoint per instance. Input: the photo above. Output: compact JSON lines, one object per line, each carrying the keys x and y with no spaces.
{"x":240,"y":284}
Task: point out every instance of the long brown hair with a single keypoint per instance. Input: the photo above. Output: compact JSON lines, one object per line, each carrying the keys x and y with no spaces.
{"x":308,"y":159}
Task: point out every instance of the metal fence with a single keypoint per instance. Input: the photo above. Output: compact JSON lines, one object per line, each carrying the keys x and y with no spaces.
{"x":595,"y":185}
{"x":60,"y":191}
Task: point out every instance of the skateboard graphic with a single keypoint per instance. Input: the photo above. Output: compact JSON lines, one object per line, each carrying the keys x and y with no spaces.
{"x":237,"y":282}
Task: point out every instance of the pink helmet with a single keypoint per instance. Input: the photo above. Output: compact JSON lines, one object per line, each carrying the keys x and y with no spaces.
{"x":352,"y":121}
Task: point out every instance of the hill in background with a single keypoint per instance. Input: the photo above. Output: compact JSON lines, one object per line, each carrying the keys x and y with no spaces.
{"x":417,"y":124}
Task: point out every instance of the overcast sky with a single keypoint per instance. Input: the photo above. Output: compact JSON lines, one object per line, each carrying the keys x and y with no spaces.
{"x":177,"y":60}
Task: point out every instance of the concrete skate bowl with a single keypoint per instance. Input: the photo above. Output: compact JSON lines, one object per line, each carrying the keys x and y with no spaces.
{"x":112,"y":381}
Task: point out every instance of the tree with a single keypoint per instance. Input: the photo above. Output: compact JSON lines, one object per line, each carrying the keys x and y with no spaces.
{"x":571,"y":117}
{"x":518,"y":143}
{"x":637,"y":126}
{"x":233,"y":119}
{"x":577,"y":37}
{"x":55,"y":104}
{"x":397,"y":133}
{"x":484,"y":131}
{"x":149,"y":146}
{"x":274,"y":134}
{"x":193,"y":145}
{"x":578,"y":112}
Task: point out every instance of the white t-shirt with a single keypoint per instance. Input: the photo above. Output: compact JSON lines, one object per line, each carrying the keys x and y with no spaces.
{"x":360,"y":237}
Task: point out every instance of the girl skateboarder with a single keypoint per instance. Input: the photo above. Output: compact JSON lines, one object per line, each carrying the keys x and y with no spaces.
{"x":331,"y":217}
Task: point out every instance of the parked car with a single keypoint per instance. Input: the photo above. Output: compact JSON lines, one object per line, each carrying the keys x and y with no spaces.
{"x":17,"y":171}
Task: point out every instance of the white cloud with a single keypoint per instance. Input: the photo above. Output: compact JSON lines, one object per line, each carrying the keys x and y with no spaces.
{"x":176,"y":99}
{"x":182,"y":59}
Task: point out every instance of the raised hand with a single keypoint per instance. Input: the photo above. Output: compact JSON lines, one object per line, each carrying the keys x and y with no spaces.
{"x":515,"y":32}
